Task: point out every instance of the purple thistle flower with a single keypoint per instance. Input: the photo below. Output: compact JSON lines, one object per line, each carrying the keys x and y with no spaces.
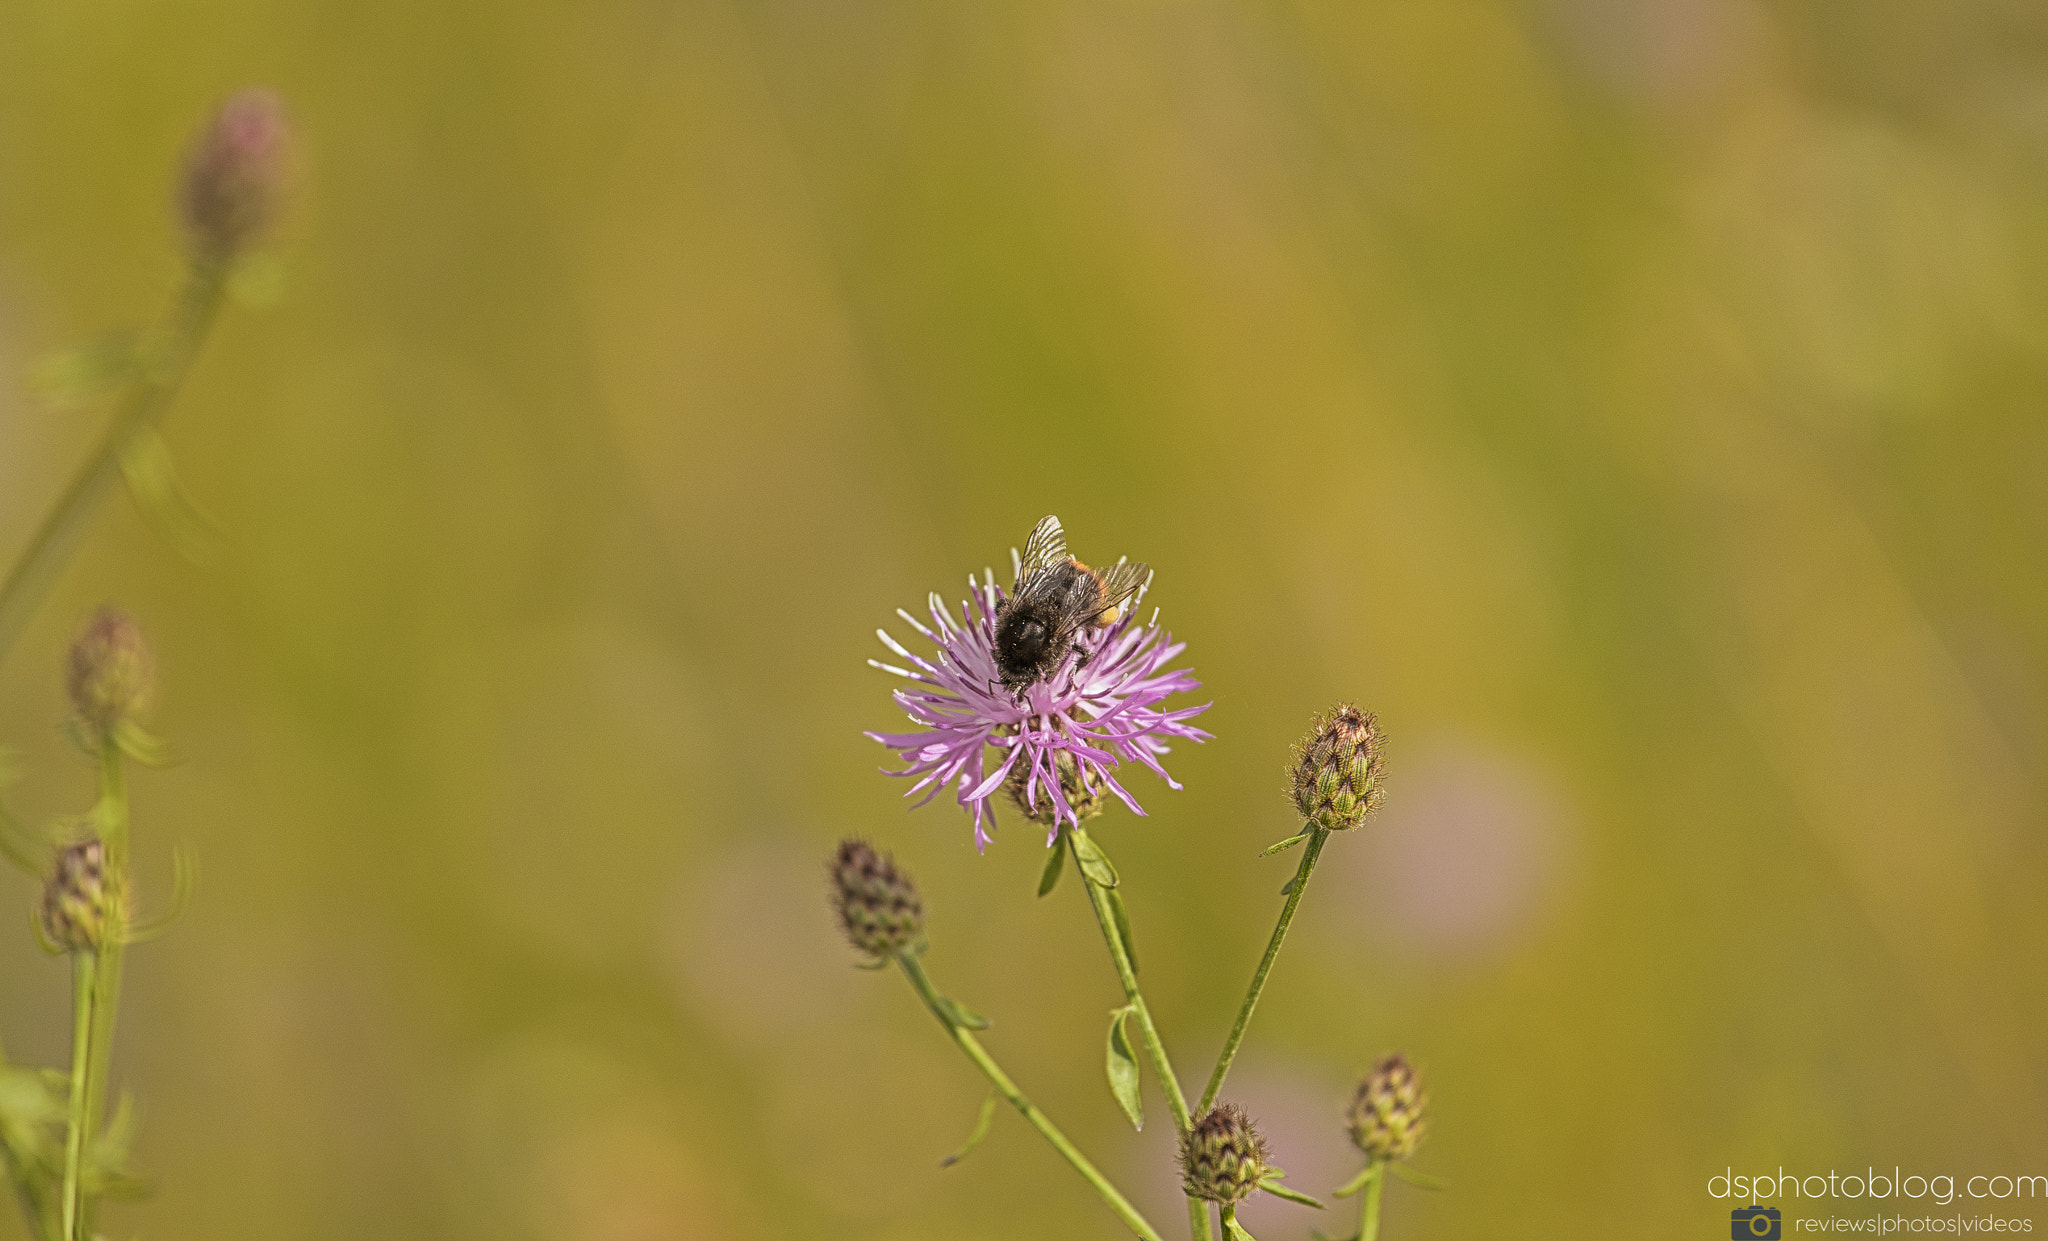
{"x":1065,"y":735}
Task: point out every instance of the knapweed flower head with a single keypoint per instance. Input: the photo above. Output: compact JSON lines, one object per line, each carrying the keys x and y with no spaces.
{"x":1056,"y":744}
{"x":1388,"y":1115}
{"x":79,"y":897}
{"x":877,"y":904}
{"x":110,"y":672}
{"x":1222,"y":1157}
{"x":1336,"y":776}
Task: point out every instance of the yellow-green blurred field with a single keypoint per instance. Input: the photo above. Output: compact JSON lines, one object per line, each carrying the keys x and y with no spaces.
{"x":1640,"y":403}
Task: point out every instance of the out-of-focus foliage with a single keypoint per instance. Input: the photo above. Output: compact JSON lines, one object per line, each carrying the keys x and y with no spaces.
{"x":1638,"y":403}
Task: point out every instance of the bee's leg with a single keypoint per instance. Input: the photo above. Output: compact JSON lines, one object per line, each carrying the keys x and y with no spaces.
{"x":1080,"y":657}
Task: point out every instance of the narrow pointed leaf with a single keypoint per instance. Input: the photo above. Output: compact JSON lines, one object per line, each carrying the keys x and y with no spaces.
{"x":1055,"y":862}
{"x":1358,"y":1182}
{"x":153,"y":481}
{"x":1123,"y":1069}
{"x":72,"y":378}
{"x":1288,"y":843}
{"x":1236,"y":1231}
{"x":1287,"y":889}
{"x":981,"y":1127}
{"x":1418,"y":1179}
{"x":1094,"y":862}
{"x":1278,"y":1190}
{"x":961,"y":1015}
{"x":144,"y":746}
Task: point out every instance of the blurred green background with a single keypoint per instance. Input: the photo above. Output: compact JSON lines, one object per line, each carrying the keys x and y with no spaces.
{"x":1639,"y":403}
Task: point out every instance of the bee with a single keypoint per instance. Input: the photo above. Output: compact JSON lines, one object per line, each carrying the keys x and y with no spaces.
{"x":1055,"y":600}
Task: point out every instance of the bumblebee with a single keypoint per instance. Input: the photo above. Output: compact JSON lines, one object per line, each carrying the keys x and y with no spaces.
{"x":1056,"y":599}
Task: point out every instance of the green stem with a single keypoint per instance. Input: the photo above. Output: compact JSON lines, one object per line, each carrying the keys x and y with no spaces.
{"x":913,"y":969}
{"x":97,"y":991}
{"x":1155,"y":1047}
{"x":84,"y":992}
{"x":162,"y":370}
{"x":112,"y":816}
{"x":1098,"y":896}
{"x":1369,"y":1219}
{"x":1313,"y":851}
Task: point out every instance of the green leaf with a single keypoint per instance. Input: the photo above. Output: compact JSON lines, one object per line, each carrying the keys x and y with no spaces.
{"x":1123,"y":1069}
{"x":1122,"y":921}
{"x":1056,"y":860}
{"x":1236,"y":1230}
{"x":1360,"y":1181}
{"x":981,"y":1127}
{"x":962,"y":1016}
{"x":1093,"y":861}
{"x":1417,"y":1179}
{"x":72,"y":378}
{"x":1287,"y":889}
{"x":1278,"y":1190}
{"x":1288,"y":843}
{"x":144,"y":746}
{"x":153,"y":481}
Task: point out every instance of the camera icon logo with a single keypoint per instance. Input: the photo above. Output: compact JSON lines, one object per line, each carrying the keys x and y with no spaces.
{"x":1753,"y":1223}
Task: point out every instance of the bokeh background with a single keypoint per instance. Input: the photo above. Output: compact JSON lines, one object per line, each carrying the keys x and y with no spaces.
{"x":1638,"y":402}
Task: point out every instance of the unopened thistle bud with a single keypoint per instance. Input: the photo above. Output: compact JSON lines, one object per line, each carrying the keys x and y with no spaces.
{"x":79,"y":898}
{"x":1387,"y":1117}
{"x":112,"y":674}
{"x":877,"y":904}
{"x":236,"y":173}
{"x":1337,"y":769}
{"x":1223,"y":1158}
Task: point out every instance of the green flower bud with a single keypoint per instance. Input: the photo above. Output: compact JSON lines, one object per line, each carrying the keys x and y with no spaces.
{"x":112,"y":674}
{"x":1387,"y":1117}
{"x":79,"y":899}
{"x":236,"y":173}
{"x":1223,"y":1158}
{"x":877,"y":904}
{"x":1086,"y":799}
{"x":1336,"y":776}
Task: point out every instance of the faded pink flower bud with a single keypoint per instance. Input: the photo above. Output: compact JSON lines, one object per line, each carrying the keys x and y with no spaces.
{"x":237,"y":173}
{"x":112,"y":673}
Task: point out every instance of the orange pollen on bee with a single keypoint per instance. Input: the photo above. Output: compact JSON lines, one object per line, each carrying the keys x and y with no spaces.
{"x":1108,"y":616}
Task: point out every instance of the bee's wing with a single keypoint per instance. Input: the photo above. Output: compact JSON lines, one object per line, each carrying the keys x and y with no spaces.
{"x":1046,"y":547}
{"x":1045,"y":556}
{"x":1121,"y":583}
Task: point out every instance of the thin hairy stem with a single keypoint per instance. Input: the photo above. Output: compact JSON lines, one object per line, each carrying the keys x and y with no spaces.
{"x":1251,"y":996}
{"x":1121,"y":1207}
{"x":1369,"y":1218}
{"x":167,"y":358}
{"x":1155,"y":1047}
{"x":96,"y":986}
{"x":84,"y":993}
{"x":1127,"y":974}
{"x":112,"y":816}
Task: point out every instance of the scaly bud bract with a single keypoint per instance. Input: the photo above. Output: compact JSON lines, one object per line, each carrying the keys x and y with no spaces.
{"x":79,"y":898}
{"x":236,"y":174}
{"x":1083,"y":795}
{"x":1388,"y":1115}
{"x":877,"y":904}
{"x":111,"y":674}
{"x":1336,"y":776}
{"x":1223,"y":1158}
